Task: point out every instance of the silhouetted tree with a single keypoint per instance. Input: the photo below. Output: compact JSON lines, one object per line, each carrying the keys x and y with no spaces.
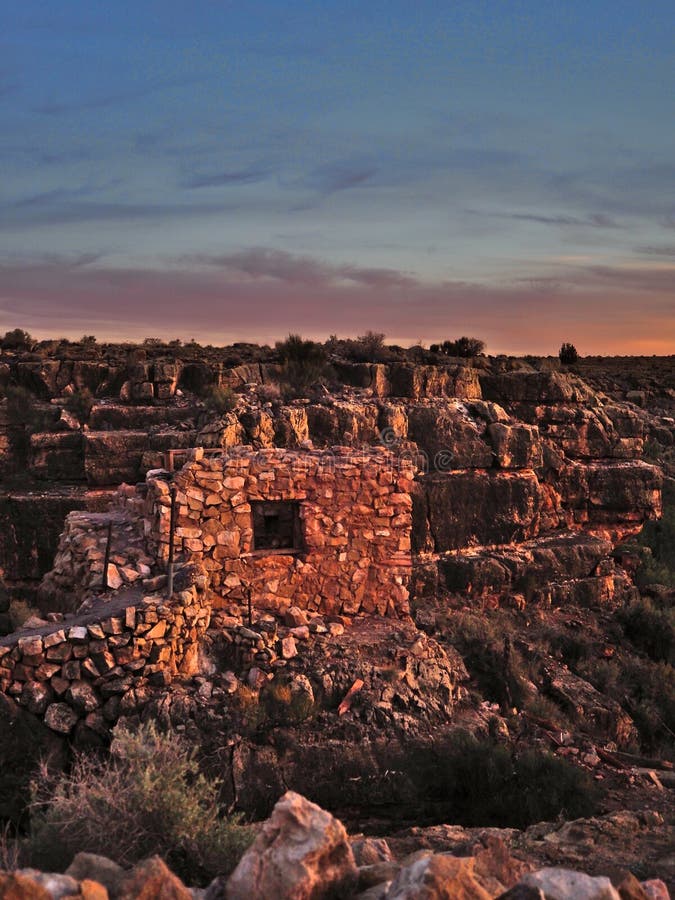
{"x":464,"y":346}
{"x":568,"y":354}
{"x":17,"y":339}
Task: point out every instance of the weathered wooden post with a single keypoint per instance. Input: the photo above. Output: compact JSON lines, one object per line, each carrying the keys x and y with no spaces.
{"x":106,"y":558}
{"x":172,"y":529}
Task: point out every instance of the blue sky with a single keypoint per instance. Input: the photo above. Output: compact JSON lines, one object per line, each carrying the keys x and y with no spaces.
{"x":232,"y":171}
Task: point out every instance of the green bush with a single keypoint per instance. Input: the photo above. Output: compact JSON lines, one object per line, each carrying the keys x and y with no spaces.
{"x":148,"y":797}
{"x":478,"y":783}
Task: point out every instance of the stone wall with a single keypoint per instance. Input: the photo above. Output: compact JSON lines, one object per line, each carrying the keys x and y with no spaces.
{"x":355,"y":517}
{"x":77,"y":572}
{"x":87,"y":672}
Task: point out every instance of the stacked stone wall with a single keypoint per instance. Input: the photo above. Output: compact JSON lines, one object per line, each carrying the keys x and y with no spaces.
{"x":86,"y":672}
{"x":355,"y":511}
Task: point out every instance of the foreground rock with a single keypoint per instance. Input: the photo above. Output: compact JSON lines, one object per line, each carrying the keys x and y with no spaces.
{"x":301,"y":852}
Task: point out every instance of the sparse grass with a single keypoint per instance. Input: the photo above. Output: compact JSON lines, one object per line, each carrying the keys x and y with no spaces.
{"x":148,"y":797}
{"x":279,"y":703}
{"x":10,"y":849}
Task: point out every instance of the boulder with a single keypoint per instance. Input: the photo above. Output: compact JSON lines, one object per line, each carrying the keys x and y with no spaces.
{"x":60,"y":718}
{"x":152,"y":880}
{"x":562,"y":884}
{"x":92,"y":867}
{"x":301,"y":852}
{"x":437,"y":877}
{"x":369,"y":851}
{"x":466,"y":508}
{"x":21,"y":886}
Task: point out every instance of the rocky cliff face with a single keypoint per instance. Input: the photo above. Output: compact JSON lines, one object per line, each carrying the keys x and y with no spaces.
{"x":504,"y":457}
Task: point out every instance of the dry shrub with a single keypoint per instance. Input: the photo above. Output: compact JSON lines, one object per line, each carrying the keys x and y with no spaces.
{"x":148,"y":797}
{"x":479,"y":783}
{"x":10,"y":849}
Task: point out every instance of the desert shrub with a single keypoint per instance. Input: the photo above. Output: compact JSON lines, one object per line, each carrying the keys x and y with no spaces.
{"x":269,"y":393}
{"x":17,"y":339}
{"x":370,"y":347}
{"x":499,"y":674}
{"x":650,"y":628}
{"x":148,"y":797}
{"x":79,"y":404}
{"x":479,"y":783}
{"x":88,"y":339}
{"x":303,"y":363}
{"x":658,"y":537}
{"x":22,"y":408}
{"x":545,"y":708}
{"x":568,"y":354}
{"x":219,"y":400}
{"x":464,"y":346}
{"x":645,"y":689}
{"x":26,"y":416}
{"x":572,"y":645}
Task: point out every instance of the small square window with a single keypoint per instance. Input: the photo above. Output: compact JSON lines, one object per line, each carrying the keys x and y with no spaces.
{"x":276,"y":525}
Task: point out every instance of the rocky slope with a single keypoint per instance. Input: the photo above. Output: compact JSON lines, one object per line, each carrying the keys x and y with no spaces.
{"x":525,"y":625}
{"x":303,"y":852}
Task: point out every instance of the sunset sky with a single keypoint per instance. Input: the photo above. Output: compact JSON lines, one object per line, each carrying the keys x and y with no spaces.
{"x":241,"y":170}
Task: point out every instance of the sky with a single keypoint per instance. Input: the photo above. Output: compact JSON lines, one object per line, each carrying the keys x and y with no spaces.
{"x":232,"y":171}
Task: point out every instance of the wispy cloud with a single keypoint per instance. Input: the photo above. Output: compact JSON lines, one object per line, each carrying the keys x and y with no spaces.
{"x":224,"y":179}
{"x":594,"y":220}
{"x":277,"y":265}
{"x":341,"y":175}
{"x":262,"y":295}
{"x":662,"y":250}
{"x":53,"y":107}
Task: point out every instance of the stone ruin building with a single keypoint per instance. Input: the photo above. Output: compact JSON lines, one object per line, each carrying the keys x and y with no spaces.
{"x":514,"y":490}
{"x":326,"y":530}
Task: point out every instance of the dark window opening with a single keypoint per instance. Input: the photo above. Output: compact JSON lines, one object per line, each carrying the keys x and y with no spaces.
{"x":276,"y":525}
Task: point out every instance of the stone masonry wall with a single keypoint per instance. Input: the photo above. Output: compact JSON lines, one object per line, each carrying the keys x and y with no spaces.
{"x":86,"y":672}
{"x":355,"y":511}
